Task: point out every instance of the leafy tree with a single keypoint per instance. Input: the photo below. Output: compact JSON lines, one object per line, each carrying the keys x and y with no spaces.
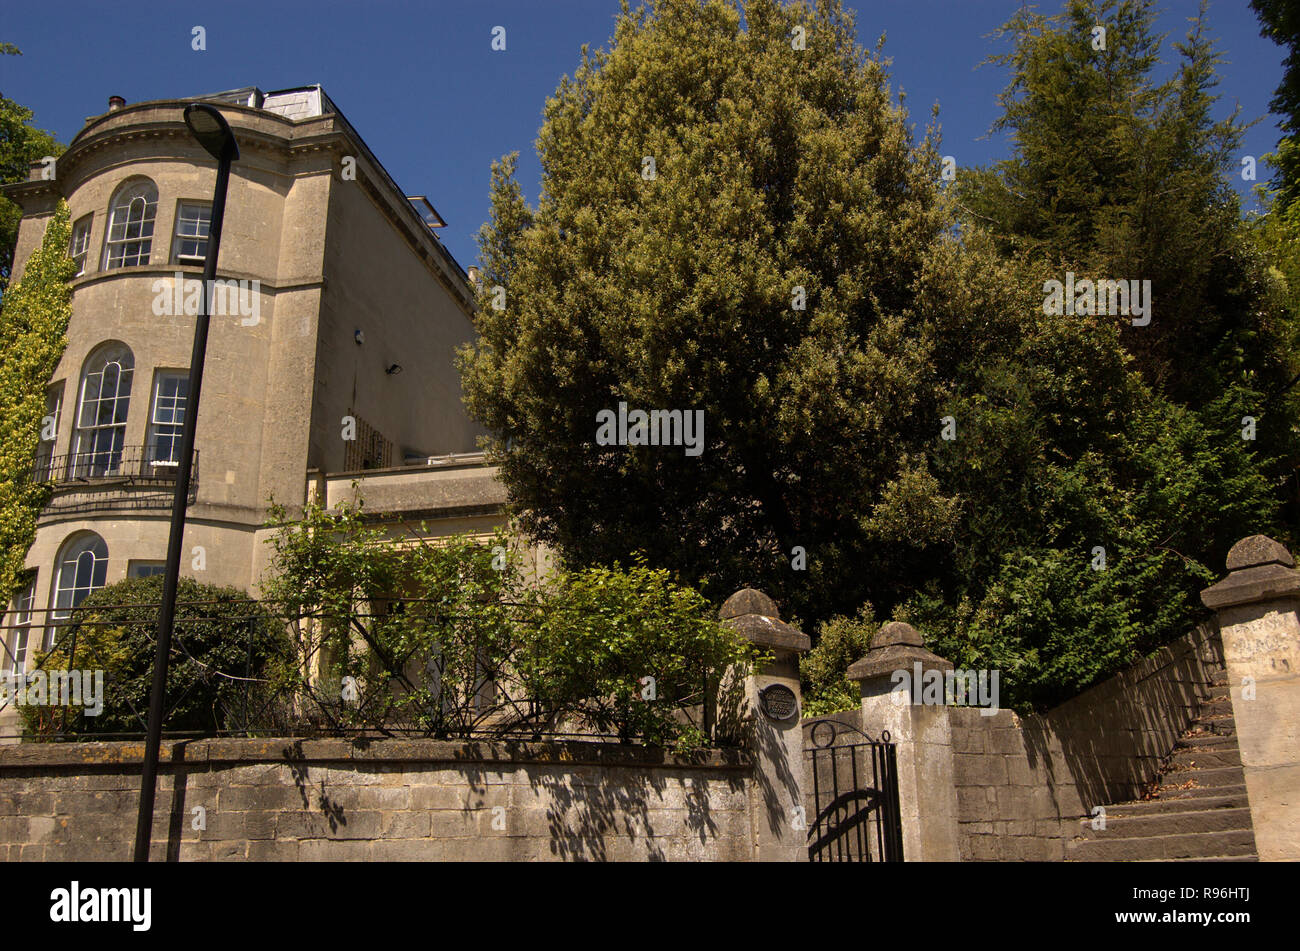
{"x":1107,"y":563}
{"x":1062,"y":449}
{"x":1281,"y":24}
{"x":20,"y":145}
{"x":33,"y":322}
{"x":227,"y":656}
{"x":1276,"y":239}
{"x":783,"y":178}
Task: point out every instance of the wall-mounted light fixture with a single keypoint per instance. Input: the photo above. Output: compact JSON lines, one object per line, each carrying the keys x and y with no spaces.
{"x":359,"y":337}
{"x":395,"y":369}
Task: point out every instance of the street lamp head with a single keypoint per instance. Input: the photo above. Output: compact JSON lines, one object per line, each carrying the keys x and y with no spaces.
{"x":212,"y":131}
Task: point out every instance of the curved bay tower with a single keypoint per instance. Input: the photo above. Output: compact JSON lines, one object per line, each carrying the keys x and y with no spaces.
{"x":337,"y":315}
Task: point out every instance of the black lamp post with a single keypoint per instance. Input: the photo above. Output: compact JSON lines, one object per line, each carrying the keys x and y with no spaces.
{"x":209,"y":127}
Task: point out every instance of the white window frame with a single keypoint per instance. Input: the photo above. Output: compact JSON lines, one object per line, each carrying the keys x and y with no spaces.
{"x":45,"y":448}
{"x":133,"y":569}
{"x":88,"y":574}
{"x":128,"y":240}
{"x":193,"y":226}
{"x":90,"y":442}
{"x":168,"y":428}
{"x":79,"y":249}
{"x":16,"y":648}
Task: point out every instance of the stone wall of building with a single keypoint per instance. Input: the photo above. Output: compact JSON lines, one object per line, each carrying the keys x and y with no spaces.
{"x":344,"y":800}
{"x":1023,"y":782}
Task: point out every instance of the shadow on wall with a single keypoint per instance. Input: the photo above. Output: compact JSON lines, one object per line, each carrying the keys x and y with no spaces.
{"x":581,"y":813}
{"x":778,"y":784}
{"x":1110,"y":740}
{"x":584,"y":810}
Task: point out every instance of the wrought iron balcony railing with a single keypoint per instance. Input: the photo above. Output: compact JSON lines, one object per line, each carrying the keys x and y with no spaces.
{"x":127,"y":464}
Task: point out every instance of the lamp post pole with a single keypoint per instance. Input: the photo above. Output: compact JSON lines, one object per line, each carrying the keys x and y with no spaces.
{"x":213,"y":133}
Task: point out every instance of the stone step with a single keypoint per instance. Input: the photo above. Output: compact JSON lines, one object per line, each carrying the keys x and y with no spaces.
{"x":1217,"y":797}
{"x":1220,"y":690}
{"x":1214,"y":704}
{"x":1162,"y":847}
{"x":1222,"y":724}
{"x":1168,"y":823}
{"x":1172,"y":793}
{"x":1183,"y":760}
{"x":1200,"y":741}
{"x":1211,"y":858}
{"x":1216,"y":776}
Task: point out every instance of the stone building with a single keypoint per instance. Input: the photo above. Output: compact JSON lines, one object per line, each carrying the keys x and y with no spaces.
{"x":330,"y":362}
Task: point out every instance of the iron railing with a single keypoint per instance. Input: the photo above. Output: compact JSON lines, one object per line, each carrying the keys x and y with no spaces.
{"x":147,"y":463}
{"x":303,"y":693}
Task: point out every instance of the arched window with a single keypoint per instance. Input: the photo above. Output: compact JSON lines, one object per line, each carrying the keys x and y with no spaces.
{"x":101,"y":412}
{"x":82,"y":568}
{"x":130,"y":224}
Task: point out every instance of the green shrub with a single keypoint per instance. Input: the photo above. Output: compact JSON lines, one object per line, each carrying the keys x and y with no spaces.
{"x":449,"y":638}
{"x":219,"y":635}
{"x":1165,"y":503}
{"x":421,"y":629}
{"x":841,"y":641}
{"x":604,"y":632}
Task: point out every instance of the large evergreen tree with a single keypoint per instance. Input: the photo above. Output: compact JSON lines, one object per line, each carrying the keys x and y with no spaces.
{"x":1117,"y":174}
{"x":1281,"y":23}
{"x":783,"y":173}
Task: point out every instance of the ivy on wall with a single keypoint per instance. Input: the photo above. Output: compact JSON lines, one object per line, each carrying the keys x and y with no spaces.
{"x":33,"y":327}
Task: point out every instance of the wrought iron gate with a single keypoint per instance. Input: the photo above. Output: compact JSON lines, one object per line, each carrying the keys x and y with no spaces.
{"x":853,"y":813}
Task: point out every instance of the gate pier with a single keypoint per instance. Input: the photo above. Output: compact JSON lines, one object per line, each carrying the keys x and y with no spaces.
{"x":772,"y":710}
{"x":922,"y":739}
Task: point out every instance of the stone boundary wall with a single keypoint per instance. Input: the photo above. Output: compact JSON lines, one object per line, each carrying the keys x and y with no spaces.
{"x":380,"y":800}
{"x":1023,"y":782}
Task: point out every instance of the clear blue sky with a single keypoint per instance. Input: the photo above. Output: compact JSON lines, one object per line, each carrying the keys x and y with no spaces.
{"x":435,"y":103}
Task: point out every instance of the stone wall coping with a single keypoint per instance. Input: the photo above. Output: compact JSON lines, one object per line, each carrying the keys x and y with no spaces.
{"x":1259,"y":569}
{"x":895,"y":633}
{"x":752,"y":614}
{"x":421,"y":752}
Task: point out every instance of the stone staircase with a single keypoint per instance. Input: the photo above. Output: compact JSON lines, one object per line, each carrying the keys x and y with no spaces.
{"x":1196,"y":811}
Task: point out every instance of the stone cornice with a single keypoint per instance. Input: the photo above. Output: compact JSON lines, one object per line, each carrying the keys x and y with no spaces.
{"x":195,"y":272}
{"x":153,"y":122}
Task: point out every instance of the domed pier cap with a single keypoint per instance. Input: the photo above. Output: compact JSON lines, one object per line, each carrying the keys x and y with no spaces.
{"x":896,"y":646}
{"x":1259,"y":569}
{"x":754,"y":615}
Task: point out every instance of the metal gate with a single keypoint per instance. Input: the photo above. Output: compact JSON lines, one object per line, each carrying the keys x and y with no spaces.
{"x":853,"y":813}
